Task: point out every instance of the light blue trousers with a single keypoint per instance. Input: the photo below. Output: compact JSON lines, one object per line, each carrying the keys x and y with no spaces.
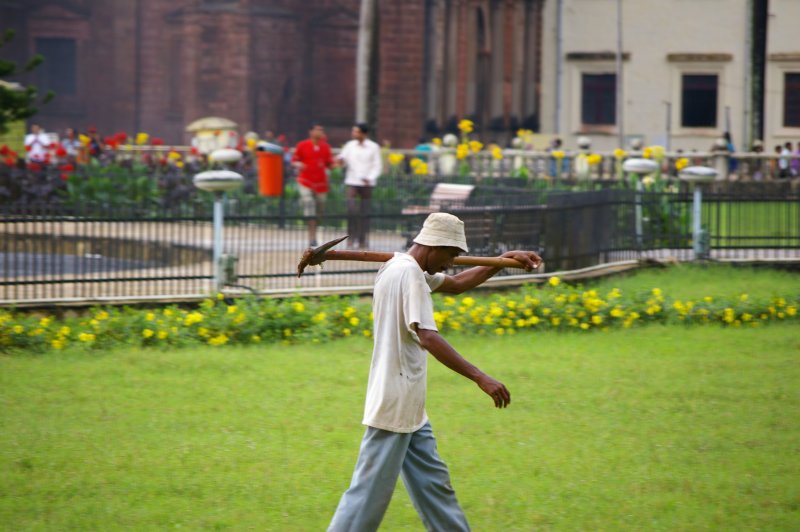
{"x":383,"y":457}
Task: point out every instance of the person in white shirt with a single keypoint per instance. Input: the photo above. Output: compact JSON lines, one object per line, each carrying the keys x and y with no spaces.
{"x":37,"y":142}
{"x":362,"y":158}
{"x":399,"y":439}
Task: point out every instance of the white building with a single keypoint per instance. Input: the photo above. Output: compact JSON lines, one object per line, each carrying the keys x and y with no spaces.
{"x":691,"y":70}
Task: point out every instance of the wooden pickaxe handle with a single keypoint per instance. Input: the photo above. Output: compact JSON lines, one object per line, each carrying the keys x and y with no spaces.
{"x":380,"y":256}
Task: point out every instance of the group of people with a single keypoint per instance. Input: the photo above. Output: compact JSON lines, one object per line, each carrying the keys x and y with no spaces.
{"x":42,"y":148}
{"x":362,"y":161}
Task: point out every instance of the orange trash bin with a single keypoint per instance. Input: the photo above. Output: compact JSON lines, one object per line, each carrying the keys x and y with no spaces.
{"x":270,"y":169}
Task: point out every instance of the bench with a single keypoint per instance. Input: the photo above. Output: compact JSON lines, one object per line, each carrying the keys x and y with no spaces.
{"x":445,"y":196}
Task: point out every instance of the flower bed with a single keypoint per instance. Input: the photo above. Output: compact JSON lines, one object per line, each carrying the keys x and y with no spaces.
{"x":215,"y":322}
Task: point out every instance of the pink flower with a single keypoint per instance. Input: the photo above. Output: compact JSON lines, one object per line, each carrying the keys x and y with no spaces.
{"x":157,"y":142}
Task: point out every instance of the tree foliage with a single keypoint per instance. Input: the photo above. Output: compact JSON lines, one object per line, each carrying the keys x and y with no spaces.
{"x":18,"y":102}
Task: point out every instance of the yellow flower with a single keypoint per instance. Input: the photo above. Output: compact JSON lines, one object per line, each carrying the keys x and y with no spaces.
{"x":421,"y":169}
{"x":287,"y":332}
{"x":497,"y":153}
{"x":584,"y":326}
{"x":319,"y":317}
{"x":436,"y":141}
{"x":475,"y":146}
{"x":297,"y":306}
{"x":44,"y":322}
{"x":597,"y":320}
{"x":349,"y":311}
{"x":202,"y":331}
{"x":554,"y":281}
{"x":499,"y":331}
{"x":232,"y":309}
{"x":466,"y":126}
{"x":147,"y":333}
{"x":658,"y":152}
{"x":192,"y":318}
{"x":558,"y":154}
{"x":173,"y":156}
{"x":791,"y":311}
{"x":367,"y":333}
{"x":354,"y":321}
{"x":252,"y":143}
{"x":149,"y":316}
{"x":708,"y":299}
{"x":86,"y":337}
{"x":594,"y":159}
{"x":64,"y":331}
{"x":743,"y":297}
{"x":555,"y":320}
{"x":657,"y":292}
{"x":346,"y":332}
{"x":617,"y":312}
{"x":255,"y":339}
{"x":396,"y":158}
{"x":58,"y":343}
{"x":220,"y":339}
{"x":681,"y":163}
{"x":220,"y":296}
{"x":468,"y":302}
{"x":102,"y":315}
{"x":85,"y":140}
{"x":619,"y":153}
{"x":142,"y":138}
{"x":462,"y":151}
{"x":647,"y":153}
{"x":162,"y":335}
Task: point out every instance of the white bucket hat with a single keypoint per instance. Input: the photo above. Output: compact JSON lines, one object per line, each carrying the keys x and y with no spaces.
{"x":442,"y":229}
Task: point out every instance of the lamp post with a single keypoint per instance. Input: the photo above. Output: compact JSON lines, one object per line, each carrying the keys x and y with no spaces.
{"x":697,"y":175}
{"x":639,"y":168}
{"x":219,"y":182}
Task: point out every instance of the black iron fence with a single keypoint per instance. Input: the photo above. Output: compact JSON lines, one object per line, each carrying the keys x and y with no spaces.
{"x":99,"y":253}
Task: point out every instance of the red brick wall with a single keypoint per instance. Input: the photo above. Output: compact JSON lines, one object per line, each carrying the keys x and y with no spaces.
{"x":401,"y":71}
{"x":156,"y":65}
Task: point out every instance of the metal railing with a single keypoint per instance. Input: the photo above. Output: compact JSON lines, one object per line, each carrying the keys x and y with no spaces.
{"x":106,"y":253}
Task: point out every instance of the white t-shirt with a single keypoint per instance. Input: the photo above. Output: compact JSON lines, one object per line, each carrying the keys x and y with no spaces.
{"x":398,"y":374}
{"x":37,"y":144}
{"x":363,"y":160}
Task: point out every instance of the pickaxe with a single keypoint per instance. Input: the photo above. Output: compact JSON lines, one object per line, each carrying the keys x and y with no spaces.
{"x":314,"y":256}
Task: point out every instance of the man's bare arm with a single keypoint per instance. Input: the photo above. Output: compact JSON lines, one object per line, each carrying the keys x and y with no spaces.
{"x":436,"y":345}
{"x":469,"y":279}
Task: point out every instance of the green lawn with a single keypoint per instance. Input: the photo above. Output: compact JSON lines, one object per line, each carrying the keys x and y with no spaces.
{"x":693,"y":281}
{"x":659,"y":428}
{"x":753,"y":223}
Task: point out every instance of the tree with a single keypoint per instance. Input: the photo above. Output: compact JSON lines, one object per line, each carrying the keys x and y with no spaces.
{"x":17,"y":101}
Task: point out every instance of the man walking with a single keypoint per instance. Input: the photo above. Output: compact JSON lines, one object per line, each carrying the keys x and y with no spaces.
{"x":399,"y":440}
{"x":362,"y":158}
{"x":312,"y":158}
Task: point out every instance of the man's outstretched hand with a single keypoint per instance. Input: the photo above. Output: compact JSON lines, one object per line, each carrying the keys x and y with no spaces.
{"x":496,"y":390}
{"x":529,"y":259}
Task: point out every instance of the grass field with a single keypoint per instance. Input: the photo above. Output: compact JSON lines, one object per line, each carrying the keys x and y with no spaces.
{"x":659,"y":428}
{"x":753,"y":223}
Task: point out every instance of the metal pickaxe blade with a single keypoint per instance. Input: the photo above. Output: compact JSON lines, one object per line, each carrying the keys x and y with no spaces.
{"x":318,"y":255}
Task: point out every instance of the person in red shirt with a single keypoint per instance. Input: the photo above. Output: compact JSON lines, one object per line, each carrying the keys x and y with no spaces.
{"x":312,"y":158}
